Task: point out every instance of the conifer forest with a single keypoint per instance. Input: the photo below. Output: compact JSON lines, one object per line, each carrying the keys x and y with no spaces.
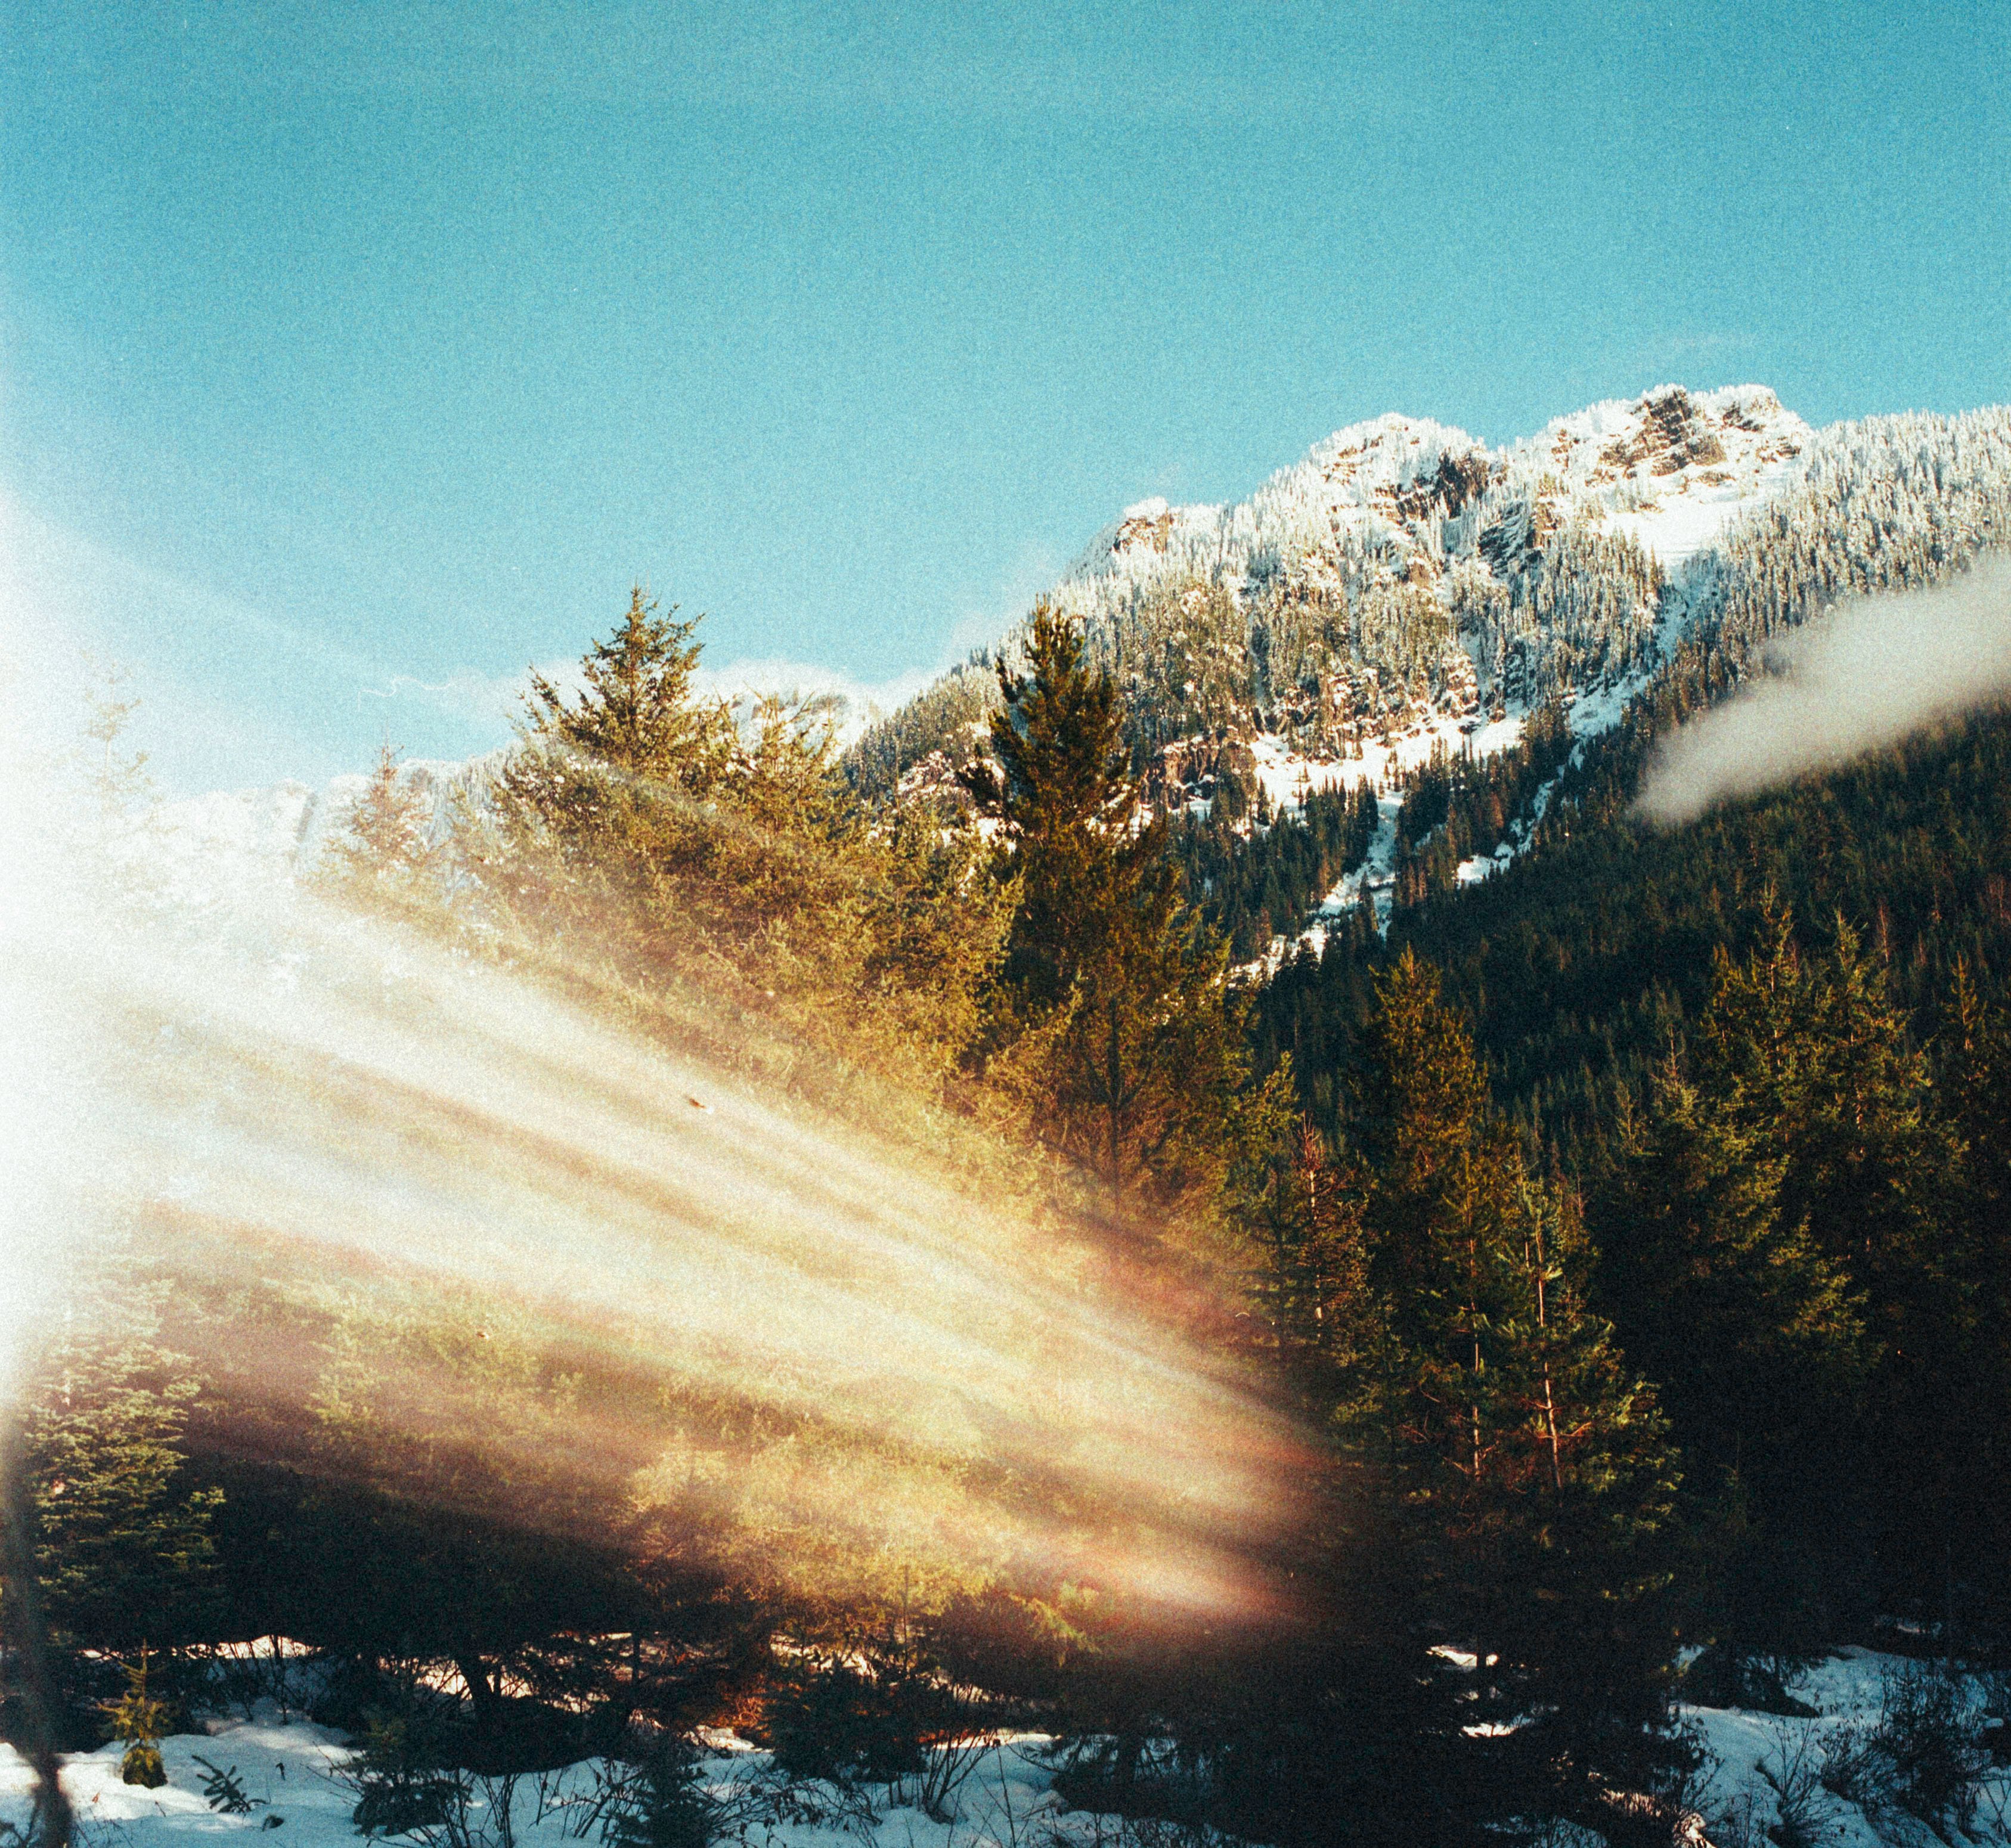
{"x":1209,"y":1209}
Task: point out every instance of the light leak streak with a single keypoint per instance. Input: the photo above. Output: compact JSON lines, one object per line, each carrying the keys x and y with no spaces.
{"x":311,"y":1094}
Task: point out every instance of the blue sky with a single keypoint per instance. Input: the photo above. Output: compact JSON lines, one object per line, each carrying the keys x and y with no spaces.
{"x":357,"y":355}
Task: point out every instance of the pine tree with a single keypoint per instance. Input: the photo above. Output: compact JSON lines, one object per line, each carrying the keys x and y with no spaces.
{"x":1807,"y":1057}
{"x":708,"y":854}
{"x":1531,"y":1463}
{"x":665,"y":1804}
{"x":384,"y":842}
{"x":1312,"y":1272}
{"x":123,"y":1547}
{"x":637,"y":712}
{"x":1975,"y":1451}
{"x":1130,"y":1039}
{"x":613,"y":778}
{"x":1062,"y":788}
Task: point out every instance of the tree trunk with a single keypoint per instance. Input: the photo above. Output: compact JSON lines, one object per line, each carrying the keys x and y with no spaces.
{"x":1114,"y":1092}
{"x":51,"y":1824}
{"x":482,"y":1691}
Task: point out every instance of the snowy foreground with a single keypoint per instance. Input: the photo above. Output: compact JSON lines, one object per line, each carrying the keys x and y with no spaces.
{"x":291,"y":1771}
{"x":1757,"y":1766}
{"x":1756,"y":1762}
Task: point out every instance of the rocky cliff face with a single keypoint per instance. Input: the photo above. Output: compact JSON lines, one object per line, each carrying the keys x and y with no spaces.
{"x":1405,"y":582}
{"x":1404,"y":573}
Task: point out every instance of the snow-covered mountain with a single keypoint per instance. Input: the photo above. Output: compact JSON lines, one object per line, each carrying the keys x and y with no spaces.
{"x":1670,"y":470}
{"x":1405,"y":589}
{"x":212,"y":845}
{"x":1404,"y":585}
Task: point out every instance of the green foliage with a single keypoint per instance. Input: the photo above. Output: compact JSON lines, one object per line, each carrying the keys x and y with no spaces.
{"x":948,"y":719}
{"x":635,"y":714}
{"x":1119,"y":1027}
{"x":1456,"y":807}
{"x":1771,"y":1045}
{"x":138,"y":1719}
{"x":1759,"y":1344}
{"x":1530,"y":1464}
{"x":402,"y":1774}
{"x":123,"y":1545}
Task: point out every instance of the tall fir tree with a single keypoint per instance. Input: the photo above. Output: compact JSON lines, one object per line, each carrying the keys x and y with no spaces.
{"x":1530,"y":1464}
{"x":1122,"y":1030}
{"x":709,"y":854}
{"x":1758,"y":1342}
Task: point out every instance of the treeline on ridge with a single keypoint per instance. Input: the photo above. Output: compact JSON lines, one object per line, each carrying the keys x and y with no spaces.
{"x":1594,"y":1373}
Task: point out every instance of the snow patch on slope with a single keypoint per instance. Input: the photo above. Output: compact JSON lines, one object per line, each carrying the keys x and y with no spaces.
{"x":230,"y":840}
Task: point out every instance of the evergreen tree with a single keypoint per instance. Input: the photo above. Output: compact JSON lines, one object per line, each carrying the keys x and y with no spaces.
{"x":701,"y":849}
{"x":1807,"y":1055}
{"x":384,"y":842}
{"x":1531,"y":1465}
{"x":1758,"y":1342}
{"x":1974,"y":1450}
{"x":636,"y":712}
{"x":138,"y":1719}
{"x":123,"y":1545}
{"x":1062,"y":789}
{"x":610,"y":776}
{"x":1130,"y":1037}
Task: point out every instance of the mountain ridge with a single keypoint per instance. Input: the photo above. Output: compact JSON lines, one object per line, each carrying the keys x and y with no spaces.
{"x":1404,"y":584}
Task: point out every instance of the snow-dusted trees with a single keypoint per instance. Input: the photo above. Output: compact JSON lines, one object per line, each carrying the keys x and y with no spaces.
{"x":1889,"y":502}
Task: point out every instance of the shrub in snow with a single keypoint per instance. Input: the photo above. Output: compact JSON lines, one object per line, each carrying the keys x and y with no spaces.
{"x":138,"y":1718}
{"x":662,"y":1802}
{"x":1923,"y":1757}
{"x":405,"y":1782}
{"x":1793,"y":1771}
{"x":854,"y":1720}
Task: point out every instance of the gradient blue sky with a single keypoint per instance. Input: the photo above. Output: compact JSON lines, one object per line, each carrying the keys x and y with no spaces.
{"x":358,"y":355}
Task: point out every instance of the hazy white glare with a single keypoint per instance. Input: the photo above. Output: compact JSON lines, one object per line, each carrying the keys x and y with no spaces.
{"x":290,"y":1086}
{"x":1875,"y":670}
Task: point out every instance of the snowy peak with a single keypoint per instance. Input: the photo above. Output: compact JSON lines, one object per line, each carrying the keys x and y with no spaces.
{"x":1672,"y":469}
{"x":1403,"y":469}
{"x":1144,"y":531}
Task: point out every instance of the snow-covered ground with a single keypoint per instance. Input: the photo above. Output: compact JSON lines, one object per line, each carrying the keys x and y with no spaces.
{"x":1752,"y":1758}
{"x":291,"y":1770}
